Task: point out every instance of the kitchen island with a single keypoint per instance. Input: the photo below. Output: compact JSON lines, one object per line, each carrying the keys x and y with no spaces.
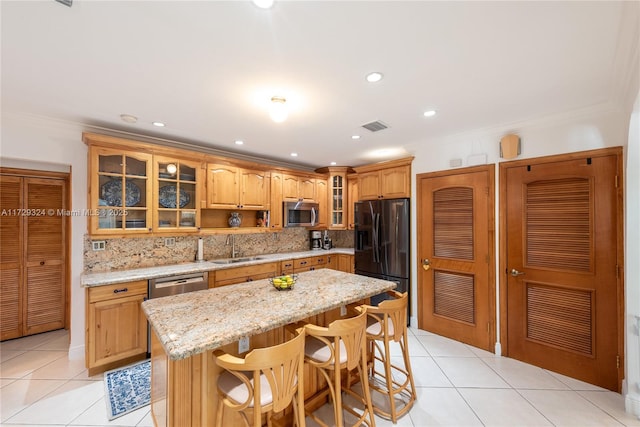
{"x":187,"y":328}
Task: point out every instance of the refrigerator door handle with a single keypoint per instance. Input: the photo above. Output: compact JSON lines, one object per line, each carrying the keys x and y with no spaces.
{"x":376,"y":238}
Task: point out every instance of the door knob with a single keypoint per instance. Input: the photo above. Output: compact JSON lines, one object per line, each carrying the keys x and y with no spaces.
{"x":426,"y":264}
{"x":515,"y":272}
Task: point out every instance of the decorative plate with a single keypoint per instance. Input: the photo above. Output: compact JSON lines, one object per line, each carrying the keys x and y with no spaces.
{"x":112,"y":193}
{"x":167,"y":197}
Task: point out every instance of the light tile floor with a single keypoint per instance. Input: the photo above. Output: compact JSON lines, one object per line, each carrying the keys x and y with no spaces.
{"x":457,"y":385}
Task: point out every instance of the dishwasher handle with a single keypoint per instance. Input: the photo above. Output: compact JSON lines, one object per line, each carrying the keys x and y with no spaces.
{"x":178,"y":282}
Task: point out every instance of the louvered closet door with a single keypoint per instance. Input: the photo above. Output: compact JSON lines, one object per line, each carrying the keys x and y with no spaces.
{"x":561,"y":240}
{"x":454,"y":280}
{"x":10,"y":257}
{"x":44,"y":240}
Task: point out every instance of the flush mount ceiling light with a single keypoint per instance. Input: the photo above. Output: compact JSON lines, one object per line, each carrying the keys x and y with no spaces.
{"x":430,"y":113}
{"x":374,"y":77}
{"x":355,"y":136}
{"x":128,"y":118}
{"x":158,"y":124}
{"x":239,"y":142}
{"x":263,"y":4}
{"x":294,"y":154}
{"x":172,"y":168}
{"x":278,"y":109}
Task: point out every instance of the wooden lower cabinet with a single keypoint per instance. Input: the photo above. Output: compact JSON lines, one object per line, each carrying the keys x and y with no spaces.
{"x":341,"y":262}
{"x":299,"y":265}
{"x":116,"y":325}
{"x":231,"y":276}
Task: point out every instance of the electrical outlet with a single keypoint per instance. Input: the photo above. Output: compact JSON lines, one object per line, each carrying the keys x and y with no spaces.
{"x":243,"y":345}
{"x":343,"y":310}
{"x":98,"y":245}
{"x":169,"y":241}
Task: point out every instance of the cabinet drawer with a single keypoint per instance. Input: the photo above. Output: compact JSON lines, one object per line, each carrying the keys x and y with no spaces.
{"x":119,"y":290}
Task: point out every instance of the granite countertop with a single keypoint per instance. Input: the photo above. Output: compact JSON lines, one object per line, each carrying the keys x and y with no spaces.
{"x":195,"y":322}
{"x":113,"y":277}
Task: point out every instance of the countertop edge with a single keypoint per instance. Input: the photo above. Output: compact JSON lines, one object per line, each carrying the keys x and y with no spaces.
{"x":88,"y":280}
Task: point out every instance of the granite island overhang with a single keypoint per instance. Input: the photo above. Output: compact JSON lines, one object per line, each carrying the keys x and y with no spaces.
{"x":186,"y":328}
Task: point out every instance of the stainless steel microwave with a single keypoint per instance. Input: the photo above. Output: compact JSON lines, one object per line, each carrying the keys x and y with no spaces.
{"x":300,"y":214}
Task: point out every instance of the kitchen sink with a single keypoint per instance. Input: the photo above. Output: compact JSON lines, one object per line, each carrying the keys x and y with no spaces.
{"x":235,"y":260}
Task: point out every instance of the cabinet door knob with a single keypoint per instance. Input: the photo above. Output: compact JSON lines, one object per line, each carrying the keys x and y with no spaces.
{"x":41,"y":262}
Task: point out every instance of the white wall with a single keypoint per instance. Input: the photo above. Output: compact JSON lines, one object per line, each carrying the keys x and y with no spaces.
{"x":576,"y":131}
{"x":30,"y":139}
{"x":632,"y":266}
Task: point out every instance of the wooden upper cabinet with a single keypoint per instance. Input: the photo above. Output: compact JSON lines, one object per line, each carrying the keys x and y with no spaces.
{"x":177,"y":194}
{"x":352,"y":197}
{"x":230,"y":187}
{"x":337,"y":197}
{"x":276,"y":207}
{"x":254,"y":189}
{"x":322,"y":198}
{"x":120,"y":191}
{"x":388,"y":180}
{"x":298,"y":188}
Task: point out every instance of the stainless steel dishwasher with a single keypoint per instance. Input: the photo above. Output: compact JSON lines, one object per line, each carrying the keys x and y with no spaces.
{"x":174,"y":285}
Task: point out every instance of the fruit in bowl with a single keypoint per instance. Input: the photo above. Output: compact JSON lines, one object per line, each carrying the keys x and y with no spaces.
{"x":283,"y":283}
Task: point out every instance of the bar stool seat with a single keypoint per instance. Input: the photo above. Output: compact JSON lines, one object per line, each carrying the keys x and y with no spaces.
{"x":267,"y":381}
{"x":387,"y":322}
{"x":341,"y":346}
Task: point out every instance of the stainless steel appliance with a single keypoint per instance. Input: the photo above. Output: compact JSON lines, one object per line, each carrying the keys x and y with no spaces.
{"x":316,"y":240}
{"x":300,"y":214}
{"x":174,"y":285}
{"x":382,"y":243}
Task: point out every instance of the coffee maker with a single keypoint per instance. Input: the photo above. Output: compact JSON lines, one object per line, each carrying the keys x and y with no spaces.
{"x":316,"y":240}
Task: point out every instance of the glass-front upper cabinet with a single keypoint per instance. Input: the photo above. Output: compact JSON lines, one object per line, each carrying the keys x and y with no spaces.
{"x":338,"y":201}
{"x":119,"y":192}
{"x":177,"y":191}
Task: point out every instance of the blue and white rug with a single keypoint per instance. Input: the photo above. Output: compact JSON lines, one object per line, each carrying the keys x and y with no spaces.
{"x":128,"y":388}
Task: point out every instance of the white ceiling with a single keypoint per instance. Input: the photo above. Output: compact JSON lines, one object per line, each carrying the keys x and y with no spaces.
{"x":202,"y":66}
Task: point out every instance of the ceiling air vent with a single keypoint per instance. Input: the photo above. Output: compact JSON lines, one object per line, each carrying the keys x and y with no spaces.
{"x":66,"y":2}
{"x":375,"y":126}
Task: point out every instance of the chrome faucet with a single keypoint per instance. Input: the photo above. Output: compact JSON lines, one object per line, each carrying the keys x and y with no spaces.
{"x":232,"y":238}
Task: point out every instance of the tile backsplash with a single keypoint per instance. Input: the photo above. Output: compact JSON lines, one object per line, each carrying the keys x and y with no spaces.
{"x":140,"y":252}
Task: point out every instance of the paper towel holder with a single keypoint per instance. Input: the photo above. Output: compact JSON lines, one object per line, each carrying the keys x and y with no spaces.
{"x":510,"y":146}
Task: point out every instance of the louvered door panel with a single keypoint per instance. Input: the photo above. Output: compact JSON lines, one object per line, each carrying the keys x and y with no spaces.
{"x":10,"y":257}
{"x":453,"y":223}
{"x":45,"y":299}
{"x":560,"y":317}
{"x":44,"y":254}
{"x":454,"y":296}
{"x":558,"y":224}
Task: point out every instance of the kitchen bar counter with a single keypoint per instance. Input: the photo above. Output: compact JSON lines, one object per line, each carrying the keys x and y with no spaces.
{"x":187,"y":327}
{"x":195,"y":322}
{"x":113,"y":277}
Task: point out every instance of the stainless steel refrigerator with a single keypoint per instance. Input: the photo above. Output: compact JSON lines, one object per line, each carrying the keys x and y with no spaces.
{"x":382,"y":243}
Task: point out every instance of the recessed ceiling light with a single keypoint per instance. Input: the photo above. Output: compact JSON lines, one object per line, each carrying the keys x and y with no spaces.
{"x":239,"y":142}
{"x":159,"y":124}
{"x":333,"y":163}
{"x":430,"y":113}
{"x":374,"y":77}
{"x":294,"y":154}
{"x":355,"y":136}
{"x":128,"y":118}
{"x":263,"y":4}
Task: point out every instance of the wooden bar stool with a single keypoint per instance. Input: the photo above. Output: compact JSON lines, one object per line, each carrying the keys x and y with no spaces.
{"x":267,"y":380}
{"x":385,"y":323}
{"x":341,"y":345}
